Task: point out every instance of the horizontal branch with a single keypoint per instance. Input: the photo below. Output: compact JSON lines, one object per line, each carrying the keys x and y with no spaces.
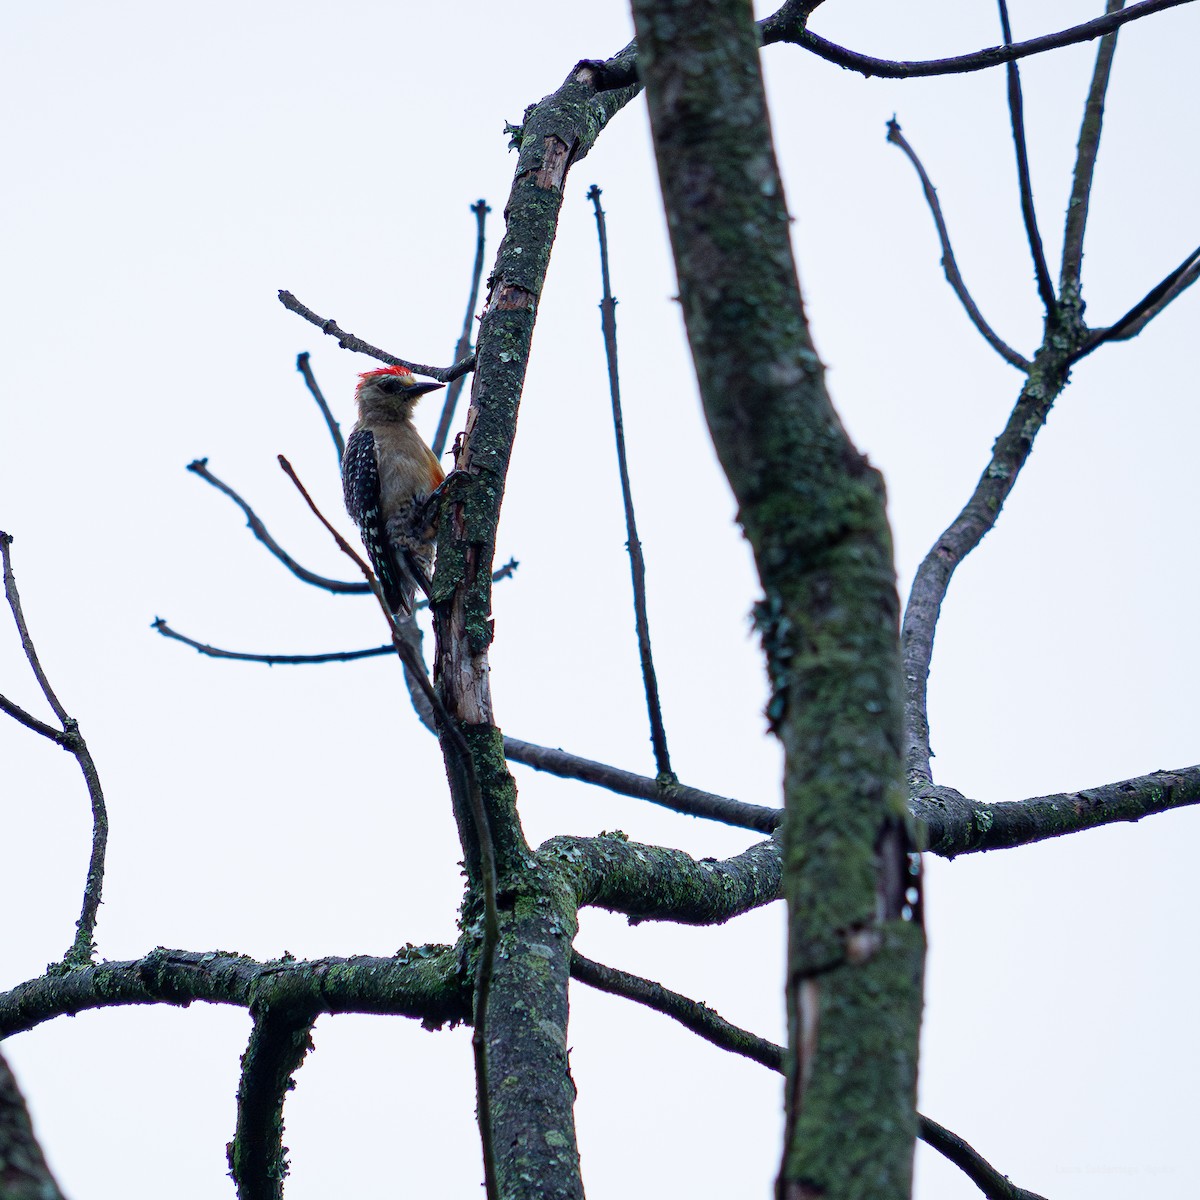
{"x":675,"y":796}
{"x":159,"y":625}
{"x":655,"y":883}
{"x":785,"y":27}
{"x":420,"y":981}
{"x":348,"y":341}
{"x":956,"y":825}
{"x":199,"y":467}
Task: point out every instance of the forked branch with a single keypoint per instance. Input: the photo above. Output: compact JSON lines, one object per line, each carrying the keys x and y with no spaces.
{"x":71,"y":740}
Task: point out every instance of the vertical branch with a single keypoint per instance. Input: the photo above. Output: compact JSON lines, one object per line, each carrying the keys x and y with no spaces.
{"x":637,"y":564}
{"x":481,"y":209}
{"x":1085,"y":162}
{"x":335,"y":430}
{"x":278,"y":1043}
{"x":1010,"y":451}
{"x":528,"y":1071}
{"x":813,"y":511}
{"x":1016,"y":113}
{"x":85,"y":928}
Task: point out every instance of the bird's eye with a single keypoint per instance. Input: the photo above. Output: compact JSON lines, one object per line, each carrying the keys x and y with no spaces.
{"x":391,"y":385}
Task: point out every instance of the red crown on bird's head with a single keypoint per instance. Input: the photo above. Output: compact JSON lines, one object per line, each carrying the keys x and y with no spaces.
{"x":401,"y":371}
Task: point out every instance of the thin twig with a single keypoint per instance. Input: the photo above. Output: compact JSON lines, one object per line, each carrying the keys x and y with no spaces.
{"x":338,"y":586}
{"x":990,"y":1182}
{"x":279,"y":1041}
{"x":1016,"y":111}
{"x":1147,"y":308}
{"x":159,"y":625}
{"x":14,"y":603}
{"x":692,"y":1014}
{"x":637,"y":564}
{"x":462,"y":764}
{"x":335,"y":430}
{"x":31,"y":722}
{"x":1085,"y":162}
{"x":688,"y":800}
{"x":949,"y":264}
{"x":783,"y":30}
{"x":83,"y":947}
{"x":706,"y":1023}
{"x":348,"y":341}
{"x":463,"y":348}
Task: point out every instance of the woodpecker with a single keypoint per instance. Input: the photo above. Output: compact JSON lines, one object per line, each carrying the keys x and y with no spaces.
{"x":388,"y":477}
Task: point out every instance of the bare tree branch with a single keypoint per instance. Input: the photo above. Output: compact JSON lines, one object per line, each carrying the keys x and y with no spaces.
{"x":692,"y":1014}
{"x":956,"y":825}
{"x":1016,"y":112}
{"x":949,"y":264}
{"x":980,"y":1172}
{"x":24,"y":1172}
{"x":84,"y":946}
{"x":423,"y":982}
{"x":31,"y":722}
{"x":637,"y":563}
{"x":463,"y":349}
{"x":656,"y":883}
{"x":339,"y":587}
{"x":785,"y":27}
{"x":687,"y":800}
{"x":335,"y":430}
{"x":1085,"y":163}
{"x":279,"y":1041}
{"x":348,"y":341}
{"x":1147,"y":308}
{"x":1047,"y":378}
{"x":706,"y":1023}
{"x":159,"y":625}
{"x":813,"y":511}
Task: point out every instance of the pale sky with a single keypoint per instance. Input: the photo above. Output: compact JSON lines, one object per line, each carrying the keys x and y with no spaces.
{"x":168,"y":170}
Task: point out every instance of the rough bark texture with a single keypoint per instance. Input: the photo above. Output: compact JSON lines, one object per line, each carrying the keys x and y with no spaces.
{"x":813,"y":510}
{"x":24,"y":1173}
{"x":532,"y":1093}
{"x":529,"y":1093}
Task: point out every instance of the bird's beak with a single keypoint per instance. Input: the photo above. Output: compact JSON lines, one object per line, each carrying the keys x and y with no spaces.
{"x":419,"y":389}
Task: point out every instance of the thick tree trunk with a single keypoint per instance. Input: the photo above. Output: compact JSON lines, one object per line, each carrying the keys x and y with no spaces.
{"x":813,"y":510}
